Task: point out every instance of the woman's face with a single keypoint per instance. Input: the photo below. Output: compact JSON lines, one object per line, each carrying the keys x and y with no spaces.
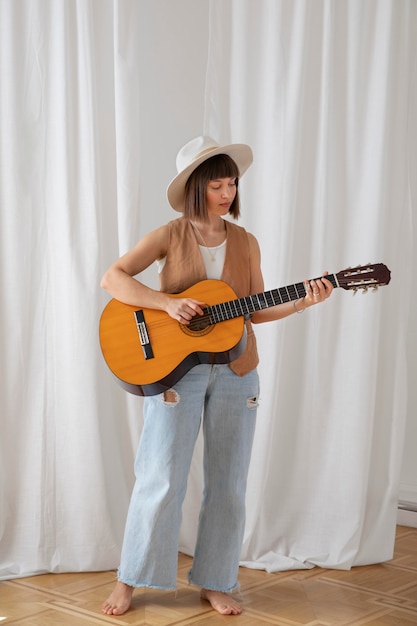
{"x":220,"y":194}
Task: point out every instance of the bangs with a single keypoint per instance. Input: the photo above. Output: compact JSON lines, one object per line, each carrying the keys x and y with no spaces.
{"x":220,"y":166}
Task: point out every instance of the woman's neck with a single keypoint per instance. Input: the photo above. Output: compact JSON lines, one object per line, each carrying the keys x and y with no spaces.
{"x":214,"y":224}
{"x":211,"y":233}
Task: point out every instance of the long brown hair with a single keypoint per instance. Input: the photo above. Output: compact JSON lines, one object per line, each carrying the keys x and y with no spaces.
{"x":219,"y":166}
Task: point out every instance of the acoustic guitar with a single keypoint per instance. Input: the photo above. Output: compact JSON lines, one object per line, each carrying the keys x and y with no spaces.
{"x":148,"y":351}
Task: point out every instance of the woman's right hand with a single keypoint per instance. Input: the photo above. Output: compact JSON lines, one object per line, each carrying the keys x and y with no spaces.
{"x":184,"y":309}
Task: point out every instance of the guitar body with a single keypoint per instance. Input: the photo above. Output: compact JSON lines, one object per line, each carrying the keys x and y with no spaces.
{"x":175,"y":347}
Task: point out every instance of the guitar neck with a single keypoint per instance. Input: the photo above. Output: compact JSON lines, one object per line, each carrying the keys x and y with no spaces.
{"x":257,"y":302}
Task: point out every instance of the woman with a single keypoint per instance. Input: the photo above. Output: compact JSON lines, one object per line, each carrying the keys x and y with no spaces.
{"x":223,"y":397}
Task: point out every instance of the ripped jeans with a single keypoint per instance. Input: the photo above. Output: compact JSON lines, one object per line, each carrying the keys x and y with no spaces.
{"x":226,"y":404}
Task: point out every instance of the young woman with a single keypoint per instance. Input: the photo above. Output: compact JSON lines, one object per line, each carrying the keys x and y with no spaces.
{"x":222,"y":397}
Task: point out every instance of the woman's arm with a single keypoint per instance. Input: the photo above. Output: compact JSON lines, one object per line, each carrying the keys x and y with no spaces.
{"x":120,"y":283}
{"x":317,"y":290}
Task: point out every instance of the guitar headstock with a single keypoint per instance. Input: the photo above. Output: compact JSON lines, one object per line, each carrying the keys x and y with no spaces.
{"x":364,"y":277}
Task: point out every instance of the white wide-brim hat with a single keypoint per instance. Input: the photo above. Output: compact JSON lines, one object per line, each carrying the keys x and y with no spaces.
{"x":196,"y":152}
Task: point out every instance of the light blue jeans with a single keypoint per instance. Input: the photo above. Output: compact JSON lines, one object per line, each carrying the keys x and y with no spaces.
{"x":227,"y":405}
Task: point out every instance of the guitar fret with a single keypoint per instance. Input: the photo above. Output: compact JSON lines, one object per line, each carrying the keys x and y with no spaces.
{"x":292,"y":292}
{"x":251,"y":304}
{"x":299,"y":291}
{"x":237,"y":311}
{"x":263,"y":301}
{"x":213,"y":314}
{"x":276,"y":297}
{"x":272,"y":299}
{"x":283,"y":294}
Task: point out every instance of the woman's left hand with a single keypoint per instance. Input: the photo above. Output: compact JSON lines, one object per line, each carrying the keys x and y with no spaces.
{"x":317,"y":291}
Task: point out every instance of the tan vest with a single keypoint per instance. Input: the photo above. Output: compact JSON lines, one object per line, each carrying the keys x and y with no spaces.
{"x":184,"y":267}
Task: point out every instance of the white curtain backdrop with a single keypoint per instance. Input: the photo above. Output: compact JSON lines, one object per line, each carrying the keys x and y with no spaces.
{"x":96,"y":97}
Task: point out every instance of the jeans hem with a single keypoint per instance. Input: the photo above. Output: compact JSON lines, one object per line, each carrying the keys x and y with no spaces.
{"x":234,"y":587}
{"x":130,"y":583}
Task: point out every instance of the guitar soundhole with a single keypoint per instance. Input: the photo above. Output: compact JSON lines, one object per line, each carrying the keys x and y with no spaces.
{"x":198,"y":326}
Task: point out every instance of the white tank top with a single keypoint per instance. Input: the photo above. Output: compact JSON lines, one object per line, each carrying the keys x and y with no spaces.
{"x":213,"y":260}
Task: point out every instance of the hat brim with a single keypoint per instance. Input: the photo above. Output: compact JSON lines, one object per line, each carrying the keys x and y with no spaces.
{"x":239,"y":152}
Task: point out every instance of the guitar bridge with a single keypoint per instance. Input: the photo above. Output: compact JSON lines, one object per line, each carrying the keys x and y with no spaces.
{"x":143,"y":335}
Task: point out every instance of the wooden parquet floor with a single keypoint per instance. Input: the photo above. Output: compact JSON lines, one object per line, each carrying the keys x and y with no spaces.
{"x":376,"y":595}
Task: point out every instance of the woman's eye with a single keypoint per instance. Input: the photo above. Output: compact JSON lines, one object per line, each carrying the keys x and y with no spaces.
{"x":218,"y":187}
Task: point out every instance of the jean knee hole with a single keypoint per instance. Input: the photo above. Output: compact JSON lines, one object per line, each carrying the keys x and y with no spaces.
{"x":170,"y":397}
{"x":252,"y":402}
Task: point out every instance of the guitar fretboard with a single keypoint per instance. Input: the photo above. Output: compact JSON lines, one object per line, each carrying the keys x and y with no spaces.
{"x":259,"y":301}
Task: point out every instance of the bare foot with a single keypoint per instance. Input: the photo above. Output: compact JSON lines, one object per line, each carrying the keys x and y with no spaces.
{"x":119,"y":601}
{"x":221,"y":602}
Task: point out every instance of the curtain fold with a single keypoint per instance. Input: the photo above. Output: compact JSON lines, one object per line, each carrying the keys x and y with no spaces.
{"x":96,"y":98}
